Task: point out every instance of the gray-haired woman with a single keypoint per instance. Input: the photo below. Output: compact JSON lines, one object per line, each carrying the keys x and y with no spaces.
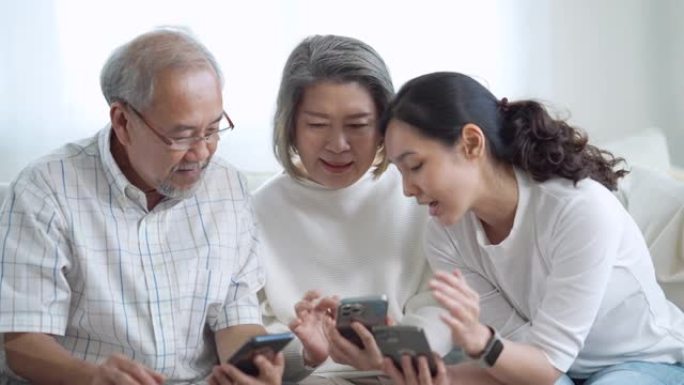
{"x":335,"y":222}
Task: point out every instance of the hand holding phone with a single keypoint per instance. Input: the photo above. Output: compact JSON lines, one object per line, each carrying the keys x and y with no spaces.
{"x":396,"y":341}
{"x":369,"y":310}
{"x":267,"y":345}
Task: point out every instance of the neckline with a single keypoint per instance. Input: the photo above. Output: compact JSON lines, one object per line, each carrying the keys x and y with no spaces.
{"x":523,"y":198}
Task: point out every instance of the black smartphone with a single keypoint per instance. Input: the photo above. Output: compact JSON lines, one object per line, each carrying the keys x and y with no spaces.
{"x":267,"y":345}
{"x":395,"y":341}
{"x":369,"y":310}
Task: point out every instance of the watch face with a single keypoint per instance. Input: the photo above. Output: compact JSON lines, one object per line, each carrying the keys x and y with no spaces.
{"x":492,"y":355}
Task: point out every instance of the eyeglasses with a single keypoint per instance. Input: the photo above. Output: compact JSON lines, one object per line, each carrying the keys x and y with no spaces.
{"x":184,"y":144}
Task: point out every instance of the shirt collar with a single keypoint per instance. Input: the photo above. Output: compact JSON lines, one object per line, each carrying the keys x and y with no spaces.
{"x":123,"y":190}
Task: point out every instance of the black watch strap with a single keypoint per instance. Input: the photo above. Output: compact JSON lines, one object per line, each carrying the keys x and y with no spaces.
{"x":492,"y":349}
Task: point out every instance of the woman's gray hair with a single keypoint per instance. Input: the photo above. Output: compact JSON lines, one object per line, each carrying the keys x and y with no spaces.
{"x":327,"y":58}
{"x":129,"y":73}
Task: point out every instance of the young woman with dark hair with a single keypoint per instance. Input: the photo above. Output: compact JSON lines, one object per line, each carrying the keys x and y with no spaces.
{"x":551,"y":280}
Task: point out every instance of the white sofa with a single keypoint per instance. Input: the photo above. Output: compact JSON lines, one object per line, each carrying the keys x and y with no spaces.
{"x":653,"y":194}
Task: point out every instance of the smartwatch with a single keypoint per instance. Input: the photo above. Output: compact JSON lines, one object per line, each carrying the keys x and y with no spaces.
{"x":492,"y":349}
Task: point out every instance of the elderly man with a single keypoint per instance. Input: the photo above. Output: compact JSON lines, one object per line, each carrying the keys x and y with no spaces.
{"x":131,"y":257}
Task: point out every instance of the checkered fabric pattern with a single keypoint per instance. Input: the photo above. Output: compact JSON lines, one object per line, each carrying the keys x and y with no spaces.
{"x":83,"y":259}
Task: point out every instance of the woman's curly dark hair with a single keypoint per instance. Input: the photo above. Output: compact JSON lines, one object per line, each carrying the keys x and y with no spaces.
{"x":546,"y":147}
{"x":520,"y":133}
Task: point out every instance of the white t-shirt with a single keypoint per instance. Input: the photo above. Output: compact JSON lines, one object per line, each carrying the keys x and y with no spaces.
{"x":574,"y":277}
{"x":361,"y":240}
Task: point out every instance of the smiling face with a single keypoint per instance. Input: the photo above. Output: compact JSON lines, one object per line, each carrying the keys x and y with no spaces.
{"x":185,"y":103}
{"x":336,"y":133}
{"x":442,"y":177}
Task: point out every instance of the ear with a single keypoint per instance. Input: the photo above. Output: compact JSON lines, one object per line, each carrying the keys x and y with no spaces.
{"x":473,"y":141}
{"x":119,"y":119}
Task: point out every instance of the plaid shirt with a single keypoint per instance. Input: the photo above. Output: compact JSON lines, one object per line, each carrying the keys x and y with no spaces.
{"x":83,"y":259}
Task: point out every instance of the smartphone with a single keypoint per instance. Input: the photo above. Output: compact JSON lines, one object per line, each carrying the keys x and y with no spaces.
{"x":369,"y":310}
{"x":395,"y":341}
{"x":267,"y":345}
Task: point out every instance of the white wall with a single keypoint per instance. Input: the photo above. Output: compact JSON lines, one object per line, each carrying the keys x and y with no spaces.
{"x":614,"y":64}
{"x":596,"y":61}
{"x":670,"y":83}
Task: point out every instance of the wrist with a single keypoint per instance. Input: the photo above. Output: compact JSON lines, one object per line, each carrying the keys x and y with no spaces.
{"x":308,"y":362}
{"x":484,"y":335}
{"x":492,"y":350}
{"x":78,"y":372}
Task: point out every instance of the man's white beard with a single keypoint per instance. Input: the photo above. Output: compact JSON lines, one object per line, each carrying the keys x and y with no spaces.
{"x":167,"y":189}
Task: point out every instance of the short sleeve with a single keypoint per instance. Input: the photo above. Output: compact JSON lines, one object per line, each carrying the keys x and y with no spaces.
{"x":242,"y":304}
{"x":34,"y":259}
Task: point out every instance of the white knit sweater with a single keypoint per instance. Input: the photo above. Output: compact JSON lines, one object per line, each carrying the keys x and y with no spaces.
{"x":360,"y":240}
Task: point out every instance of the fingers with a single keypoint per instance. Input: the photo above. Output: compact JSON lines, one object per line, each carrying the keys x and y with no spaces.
{"x":294,"y":324}
{"x":220,"y":375}
{"x":344,"y":351}
{"x":391,"y":370}
{"x":303,"y":307}
{"x":441,"y":377}
{"x":454,"y":294}
{"x":407,"y":368}
{"x":125,"y":370}
{"x":270,"y":371}
{"x":459,"y":331}
{"x":229,"y":375}
{"x":158,"y":377}
{"x":311,"y":295}
{"x":328,"y":305}
{"x":307,"y":303}
{"x":424,"y":375}
{"x":461,"y":308}
{"x":118,"y":377}
{"x":452,"y":284}
{"x":341,"y":350}
{"x":312,"y":303}
{"x":279,"y":360}
{"x":373,"y":355}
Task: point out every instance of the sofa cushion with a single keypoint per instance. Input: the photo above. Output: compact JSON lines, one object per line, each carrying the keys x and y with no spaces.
{"x":647,"y":148}
{"x":656,"y":202}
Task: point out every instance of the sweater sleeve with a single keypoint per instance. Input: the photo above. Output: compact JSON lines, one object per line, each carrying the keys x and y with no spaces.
{"x":443,"y":253}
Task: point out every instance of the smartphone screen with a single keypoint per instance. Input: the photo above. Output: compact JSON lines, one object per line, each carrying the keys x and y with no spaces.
{"x":267,"y":345}
{"x":369,"y":311}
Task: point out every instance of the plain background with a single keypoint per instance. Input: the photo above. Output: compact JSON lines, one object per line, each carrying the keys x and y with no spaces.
{"x":613,"y":67}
